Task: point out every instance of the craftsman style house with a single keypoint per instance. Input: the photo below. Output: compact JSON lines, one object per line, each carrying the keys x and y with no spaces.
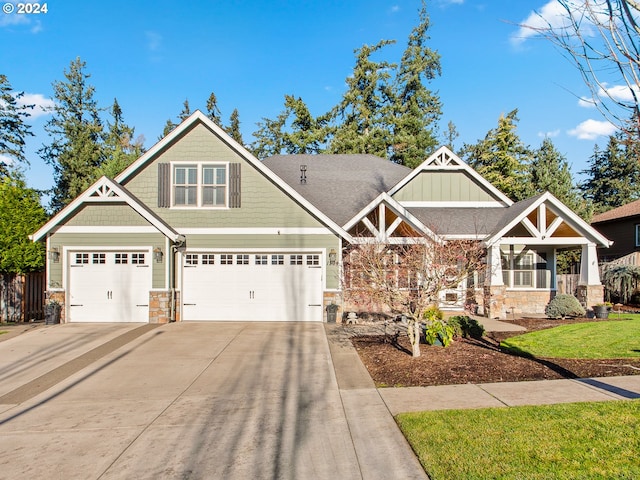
{"x":199,"y":229}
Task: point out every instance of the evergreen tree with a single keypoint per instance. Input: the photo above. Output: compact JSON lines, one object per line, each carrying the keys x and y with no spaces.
{"x":213,"y":112}
{"x":362,"y":124}
{"x":13,"y":129}
{"x":502,"y":158}
{"x":121,"y":150}
{"x":76,"y":135}
{"x":234,"y":127}
{"x":307,"y":134}
{"x":450,"y":136}
{"x":270,"y":137}
{"x":416,"y":108}
{"x":168,"y":128}
{"x":21,"y":214}
{"x":549,"y":172}
{"x":186,"y":111}
{"x":613,"y":174}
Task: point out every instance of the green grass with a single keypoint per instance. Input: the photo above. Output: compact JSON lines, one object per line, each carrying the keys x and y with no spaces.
{"x":569,"y":441}
{"x":613,"y":339}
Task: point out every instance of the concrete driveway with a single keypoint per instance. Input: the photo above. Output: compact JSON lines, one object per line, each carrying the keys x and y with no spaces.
{"x":189,"y":400}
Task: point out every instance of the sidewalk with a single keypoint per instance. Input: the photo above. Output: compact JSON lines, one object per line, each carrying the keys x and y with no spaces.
{"x":352,"y":375}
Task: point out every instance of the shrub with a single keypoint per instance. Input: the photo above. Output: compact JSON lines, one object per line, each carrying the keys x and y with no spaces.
{"x":465,"y":326}
{"x":438,"y":330}
{"x":432,"y":313}
{"x":564,"y":305}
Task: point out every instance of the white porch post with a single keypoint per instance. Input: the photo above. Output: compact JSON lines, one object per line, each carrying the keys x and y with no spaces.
{"x":589,"y":273}
{"x":494,"y":266}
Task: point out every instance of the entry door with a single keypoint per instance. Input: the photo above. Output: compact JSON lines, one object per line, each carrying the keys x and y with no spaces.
{"x":109,"y":286}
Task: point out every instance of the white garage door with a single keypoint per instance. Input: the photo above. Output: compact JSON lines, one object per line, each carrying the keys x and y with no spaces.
{"x":252,"y":286}
{"x":109,"y":286}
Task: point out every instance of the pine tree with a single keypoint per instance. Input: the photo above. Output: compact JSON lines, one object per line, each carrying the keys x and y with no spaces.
{"x":186,"y":111}
{"x":502,"y":158}
{"x":234,"y":127}
{"x":121,"y":150}
{"x":549,"y":172}
{"x":76,"y":135}
{"x":416,"y":108}
{"x":613,"y":174}
{"x":13,"y":129}
{"x":213,"y":112}
{"x":450,"y":136}
{"x":307,"y":134}
{"x":361,"y":122}
{"x":270,"y":137}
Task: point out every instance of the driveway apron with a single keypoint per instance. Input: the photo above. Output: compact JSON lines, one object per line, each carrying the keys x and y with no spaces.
{"x":191,"y":400}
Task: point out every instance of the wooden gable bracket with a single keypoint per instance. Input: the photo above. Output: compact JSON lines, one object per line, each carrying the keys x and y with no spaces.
{"x":103,"y":193}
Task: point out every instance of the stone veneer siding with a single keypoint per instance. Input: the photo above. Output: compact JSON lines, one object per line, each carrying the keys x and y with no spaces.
{"x":160,"y":307}
{"x":328,"y":299}
{"x":60,"y":297}
{"x":590,"y":295}
{"x":499,"y":302}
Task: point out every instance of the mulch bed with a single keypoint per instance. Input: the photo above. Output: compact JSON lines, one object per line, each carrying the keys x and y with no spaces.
{"x":477,"y":361}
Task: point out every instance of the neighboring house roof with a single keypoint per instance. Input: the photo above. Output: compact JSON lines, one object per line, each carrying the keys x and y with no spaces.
{"x":338,"y":185}
{"x":629,"y":210}
{"x":107,"y":190}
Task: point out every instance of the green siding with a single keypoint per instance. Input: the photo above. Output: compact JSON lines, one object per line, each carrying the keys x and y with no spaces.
{"x":145,"y":240}
{"x":263,"y":203}
{"x":439,"y":186}
{"x":106,"y":214}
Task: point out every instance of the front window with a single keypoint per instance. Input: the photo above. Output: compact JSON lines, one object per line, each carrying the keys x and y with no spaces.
{"x":200,"y":185}
{"x":638,"y":235}
{"x":526,"y":269}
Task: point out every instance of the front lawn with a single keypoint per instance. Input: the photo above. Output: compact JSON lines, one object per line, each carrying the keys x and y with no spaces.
{"x":612,"y":339}
{"x":569,"y":441}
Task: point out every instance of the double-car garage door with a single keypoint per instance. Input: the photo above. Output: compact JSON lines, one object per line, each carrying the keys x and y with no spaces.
{"x":271,"y":286}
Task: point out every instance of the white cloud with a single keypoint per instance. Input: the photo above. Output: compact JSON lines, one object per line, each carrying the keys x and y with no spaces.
{"x":551,"y":134}
{"x":619,"y":92}
{"x":42,"y":104}
{"x":13,"y":19}
{"x":395,"y":9}
{"x":592,"y":129}
{"x":552,"y":14}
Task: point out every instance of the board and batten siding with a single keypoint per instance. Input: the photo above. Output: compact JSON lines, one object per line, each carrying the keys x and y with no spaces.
{"x":435,"y":186}
{"x":112,"y":241}
{"x":294,"y":242}
{"x":263,"y":204}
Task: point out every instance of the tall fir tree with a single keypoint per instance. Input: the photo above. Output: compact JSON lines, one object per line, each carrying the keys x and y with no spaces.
{"x":502,"y":158}
{"x":234,"y":127}
{"x":76,"y":133}
{"x":613,"y":174}
{"x":361,"y":123}
{"x":13,"y":127}
{"x":450,"y":136}
{"x":549,"y":171}
{"x":121,"y":149}
{"x":186,"y":111}
{"x":270,"y":137}
{"x":213,"y":112}
{"x":416,"y":108}
{"x":307,"y":133}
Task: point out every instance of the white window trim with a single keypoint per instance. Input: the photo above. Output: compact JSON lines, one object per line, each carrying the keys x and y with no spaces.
{"x":637,"y":234}
{"x":199,"y":166}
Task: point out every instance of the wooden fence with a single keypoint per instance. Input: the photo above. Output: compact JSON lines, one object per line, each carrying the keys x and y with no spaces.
{"x":22,"y":297}
{"x":567,"y":283}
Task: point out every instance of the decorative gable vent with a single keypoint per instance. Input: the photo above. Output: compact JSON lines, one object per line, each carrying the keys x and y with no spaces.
{"x":104,"y":192}
{"x":443,"y":159}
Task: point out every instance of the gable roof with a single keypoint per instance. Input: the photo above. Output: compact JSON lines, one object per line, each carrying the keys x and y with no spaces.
{"x":445,"y":159}
{"x":519,"y":211}
{"x":107,"y":190}
{"x":629,"y":210}
{"x":338,"y":185}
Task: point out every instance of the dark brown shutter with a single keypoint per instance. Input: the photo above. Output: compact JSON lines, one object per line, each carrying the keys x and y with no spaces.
{"x":234,"y":185}
{"x":164,"y":185}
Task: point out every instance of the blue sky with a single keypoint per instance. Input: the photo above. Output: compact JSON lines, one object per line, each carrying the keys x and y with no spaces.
{"x":152,"y":55}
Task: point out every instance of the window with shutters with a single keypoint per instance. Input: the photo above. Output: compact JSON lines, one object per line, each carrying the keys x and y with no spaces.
{"x":198,"y":185}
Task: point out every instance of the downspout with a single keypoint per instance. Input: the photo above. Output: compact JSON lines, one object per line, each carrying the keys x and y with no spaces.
{"x":180,"y":241}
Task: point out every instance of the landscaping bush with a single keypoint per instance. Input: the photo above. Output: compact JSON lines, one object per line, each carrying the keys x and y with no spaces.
{"x":465,"y":326}
{"x":438,"y":330}
{"x":564,"y":305}
{"x":432,"y":313}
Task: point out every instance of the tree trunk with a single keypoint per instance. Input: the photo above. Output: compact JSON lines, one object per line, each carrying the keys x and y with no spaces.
{"x":413,"y":330}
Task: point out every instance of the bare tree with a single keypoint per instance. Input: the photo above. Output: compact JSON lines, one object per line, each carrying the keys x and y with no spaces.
{"x":602,"y":39}
{"x":408,"y":279}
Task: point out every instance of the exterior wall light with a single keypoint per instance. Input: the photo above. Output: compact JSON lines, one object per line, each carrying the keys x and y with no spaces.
{"x":157,"y":254}
{"x":54,"y":254}
{"x":333,"y":257}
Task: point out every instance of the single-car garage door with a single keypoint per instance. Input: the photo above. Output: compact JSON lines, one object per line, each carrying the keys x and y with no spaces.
{"x":252,"y":286}
{"x":109,"y":286}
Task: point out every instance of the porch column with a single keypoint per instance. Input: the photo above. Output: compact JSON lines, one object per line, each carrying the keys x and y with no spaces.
{"x":494,"y":289}
{"x":589,"y":273}
{"x":590,"y":291}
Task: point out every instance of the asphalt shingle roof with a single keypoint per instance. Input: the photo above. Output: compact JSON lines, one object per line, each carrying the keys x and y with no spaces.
{"x":629,"y":210}
{"x":459,"y":220}
{"x":338,"y":185}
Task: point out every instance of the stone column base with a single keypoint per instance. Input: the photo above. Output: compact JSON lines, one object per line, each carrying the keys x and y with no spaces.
{"x":160,"y":306}
{"x":59,"y":296}
{"x":494,"y":301}
{"x":589,"y":295}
